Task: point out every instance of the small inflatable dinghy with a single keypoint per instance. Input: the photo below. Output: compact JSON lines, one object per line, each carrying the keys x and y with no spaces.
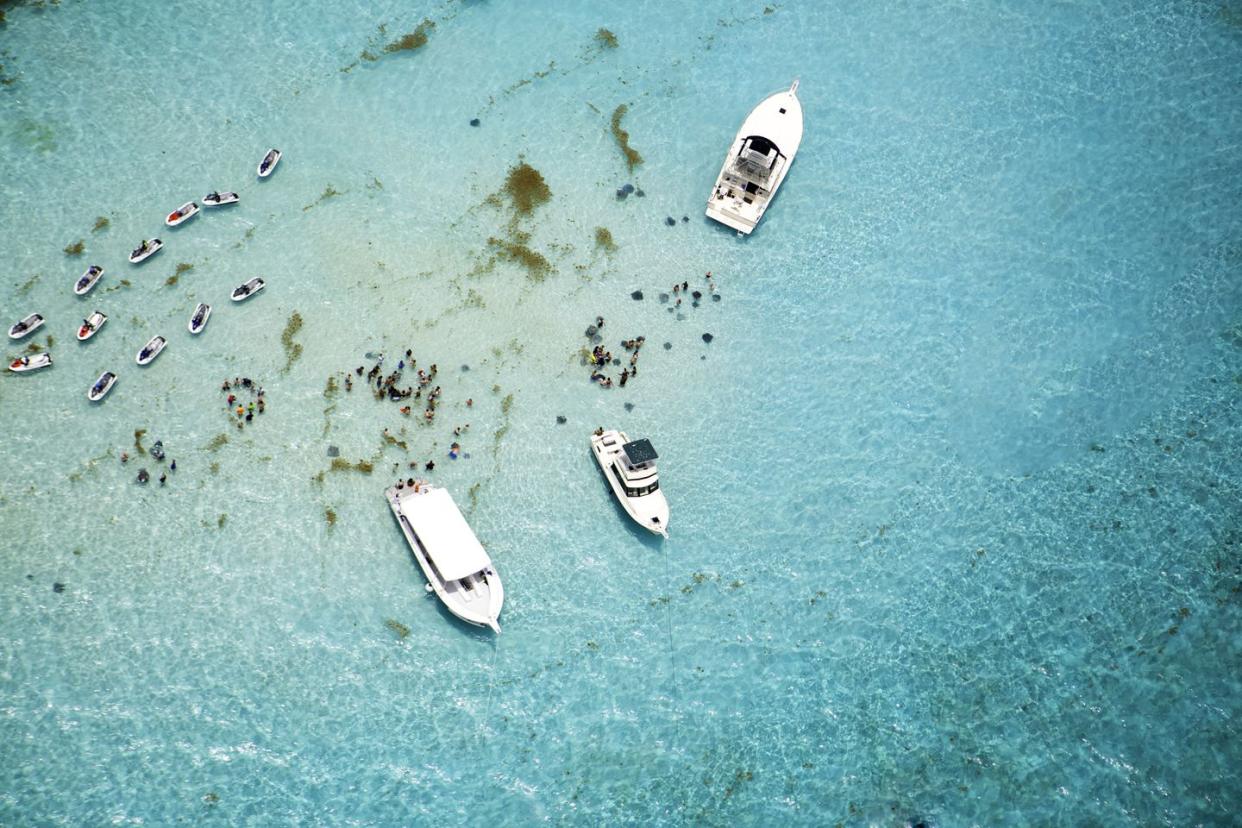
{"x":151,"y":350}
{"x":91,"y":325}
{"x":214,"y":199}
{"x":145,"y":251}
{"x":182,"y":214}
{"x":101,"y":387}
{"x":26,"y":327}
{"x":269,"y":163}
{"x":87,"y":280}
{"x":30,"y":363}
{"x":243,"y":292}
{"x":199,"y":320}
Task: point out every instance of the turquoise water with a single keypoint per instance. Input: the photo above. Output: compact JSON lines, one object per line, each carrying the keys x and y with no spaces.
{"x":955,"y":487}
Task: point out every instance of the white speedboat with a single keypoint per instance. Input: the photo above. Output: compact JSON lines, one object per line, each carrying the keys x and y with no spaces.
{"x":145,"y":251}
{"x":269,"y":163}
{"x":101,"y":387}
{"x":182,"y":214}
{"x":761,"y":154}
{"x":91,"y":325}
{"x":215,"y":199}
{"x":26,"y":327}
{"x":243,"y":292}
{"x":87,"y":280}
{"x":30,"y":363}
{"x":151,"y":350}
{"x":630,"y":470}
{"x":199,"y":320}
{"x":455,"y":564}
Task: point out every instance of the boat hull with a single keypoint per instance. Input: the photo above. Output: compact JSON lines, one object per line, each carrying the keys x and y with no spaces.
{"x":33,"y":323}
{"x":33,"y":363}
{"x":87,"y":281}
{"x":96,"y":396}
{"x":182,"y":214}
{"x":642,"y":509}
{"x":256,"y":285}
{"x":203,"y":322}
{"x":152,"y":349}
{"x":271,"y":159}
{"x":154,"y":247}
{"x":97,"y":320}
{"x":778,"y":119}
{"x":224,"y":200}
{"x":479,"y":606}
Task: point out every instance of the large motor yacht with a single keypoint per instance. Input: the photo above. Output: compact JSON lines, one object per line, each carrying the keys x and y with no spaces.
{"x":758,"y":161}
{"x":630,"y":469}
{"x":454,"y":562}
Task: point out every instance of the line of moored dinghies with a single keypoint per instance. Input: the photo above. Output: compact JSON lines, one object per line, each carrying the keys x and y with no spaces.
{"x":458,"y":569}
{"x":149,"y":247}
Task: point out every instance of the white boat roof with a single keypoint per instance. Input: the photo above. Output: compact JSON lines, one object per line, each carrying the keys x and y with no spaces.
{"x":778,"y":118}
{"x":444,"y":533}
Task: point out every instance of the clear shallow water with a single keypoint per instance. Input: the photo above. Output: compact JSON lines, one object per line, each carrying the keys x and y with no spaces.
{"x":955,"y":489}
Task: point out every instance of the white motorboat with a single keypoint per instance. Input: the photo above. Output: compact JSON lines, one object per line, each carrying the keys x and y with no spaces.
{"x":30,"y":363}
{"x":269,"y":163}
{"x":87,"y":280}
{"x":758,"y":161}
{"x":151,"y":350}
{"x":182,"y":214}
{"x":101,"y":387}
{"x":199,"y":320}
{"x":243,"y":292}
{"x":26,"y":327}
{"x":631,"y":472}
{"x":455,"y":564}
{"x":215,"y":199}
{"x":91,"y":325}
{"x":145,"y":251}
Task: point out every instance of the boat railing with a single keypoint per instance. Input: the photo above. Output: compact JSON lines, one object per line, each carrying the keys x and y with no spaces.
{"x":754,"y":165}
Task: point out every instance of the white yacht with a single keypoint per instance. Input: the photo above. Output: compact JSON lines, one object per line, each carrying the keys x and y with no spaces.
{"x":758,"y":161}
{"x":454,"y":562}
{"x":630,"y":470}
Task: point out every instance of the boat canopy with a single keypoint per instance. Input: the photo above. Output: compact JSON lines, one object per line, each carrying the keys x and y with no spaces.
{"x":639,"y":451}
{"x":444,"y":534}
{"x":757,"y":157}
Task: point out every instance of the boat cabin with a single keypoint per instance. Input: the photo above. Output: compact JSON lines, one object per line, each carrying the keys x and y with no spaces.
{"x":756,"y":164}
{"x":634,"y":468}
{"x":451,"y":547}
